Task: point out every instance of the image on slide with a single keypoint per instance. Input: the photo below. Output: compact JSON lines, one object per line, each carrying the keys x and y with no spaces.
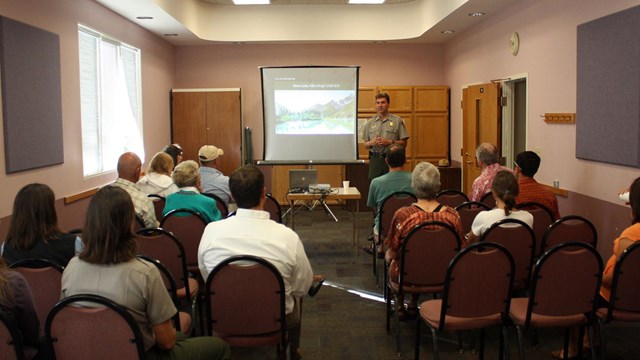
{"x":301,"y":112}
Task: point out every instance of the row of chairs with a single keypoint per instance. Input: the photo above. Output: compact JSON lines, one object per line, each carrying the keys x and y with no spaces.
{"x":109,"y":331}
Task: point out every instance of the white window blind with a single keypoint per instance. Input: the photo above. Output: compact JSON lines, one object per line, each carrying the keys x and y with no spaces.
{"x":110,"y":101}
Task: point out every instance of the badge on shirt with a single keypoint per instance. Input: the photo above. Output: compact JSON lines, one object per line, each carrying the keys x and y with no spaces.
{"x":390,"y":124}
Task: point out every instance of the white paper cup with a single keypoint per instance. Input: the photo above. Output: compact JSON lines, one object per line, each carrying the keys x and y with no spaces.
{"x":345,"y":184}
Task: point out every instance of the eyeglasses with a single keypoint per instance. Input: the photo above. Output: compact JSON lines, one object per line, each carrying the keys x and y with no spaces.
{"x":516,"y":164}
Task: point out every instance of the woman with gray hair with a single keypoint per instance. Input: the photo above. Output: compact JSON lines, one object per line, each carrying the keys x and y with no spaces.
{"x":425,"y":182}
{"x":187,"y":177}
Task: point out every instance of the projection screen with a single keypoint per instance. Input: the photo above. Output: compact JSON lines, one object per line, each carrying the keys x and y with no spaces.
{"x":310,"y":114}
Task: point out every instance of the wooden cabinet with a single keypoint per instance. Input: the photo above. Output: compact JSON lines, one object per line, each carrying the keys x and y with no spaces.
{"x":208,"y":117}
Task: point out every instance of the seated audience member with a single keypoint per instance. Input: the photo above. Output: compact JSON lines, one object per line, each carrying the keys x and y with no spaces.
{"x":425,"y":182}
{"x":16,"y":303}
{"x":488,"y":157}
{"x":213,"y":180}
{"x":108,"y":266}
{"x":129,"y":166}
{"x":158,"y":178}
{"x":527,"y":164}
{"x":505,"y":191}
{"x":175,"y":151}
{"x":629,"y":236}
{"x":33,"y":229}
{"x":252,"y":232}
{"x":397,"y":179}
{"x":187,"y":178}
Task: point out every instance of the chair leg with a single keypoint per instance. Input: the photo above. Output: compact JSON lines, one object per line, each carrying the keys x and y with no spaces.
{"x":580,"y":341}
{"x":398,"y":350}
{"x":417,"y":347}
{"x":602,"y":342}
{"x":565,"y":347}
{"x":460,"y":342}
{"x":520,"y":342}
{"x":434,"y":339}
{"x":481,"y":356}
{"x":591,"y":342}
{"x":505,"y":354}
{"x":388,"y":327}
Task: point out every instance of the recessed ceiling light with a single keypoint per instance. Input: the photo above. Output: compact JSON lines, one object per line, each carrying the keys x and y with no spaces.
{"x":359,"y":2}
{"x":447,"y":32}
{"x":169,"y":35}
{"x":144,"y":17}
{"x":476,"y":14}
{"x":251,"y":2}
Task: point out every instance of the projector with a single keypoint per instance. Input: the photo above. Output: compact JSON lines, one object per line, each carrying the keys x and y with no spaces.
{"x":319,"y":187}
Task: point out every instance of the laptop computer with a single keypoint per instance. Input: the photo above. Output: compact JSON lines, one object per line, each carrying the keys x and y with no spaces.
{"x":300,"y":179}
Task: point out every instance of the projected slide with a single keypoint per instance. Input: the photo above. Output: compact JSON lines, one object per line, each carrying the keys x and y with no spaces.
{"x":314,"y":112}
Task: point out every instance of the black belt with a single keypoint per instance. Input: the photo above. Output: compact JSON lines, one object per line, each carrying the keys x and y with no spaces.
{"x":376,"y":154}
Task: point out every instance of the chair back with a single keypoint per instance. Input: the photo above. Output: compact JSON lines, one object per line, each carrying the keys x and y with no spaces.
{"x":565,"y":281}
{"x":451,"y":197}
{"x":489,"y":200}
{"x":138,"y":224}
{"x":44,"y":279}
{"x":105,"y":330}
{"x":542,"y":219}
{"x":425,"y":255}
{"x":250,"y":286}
{"x":163,"y":246}
{"x":272,"y":206}
{"x":158,"y":205}
{"x":187,"y":226}
{"x":518,"y":238}
{"x":10,"y":339}
{"x":468,"y":211}
{"x":389,"y":206}
{"x":478,"y":283}
{"x":625,"y":296}
{"x":570,"y":228}
{"x":170,"y":283}
{"x":220,"y":204}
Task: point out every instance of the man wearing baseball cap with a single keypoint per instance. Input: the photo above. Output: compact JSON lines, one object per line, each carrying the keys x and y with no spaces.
{"x":213,"y":180}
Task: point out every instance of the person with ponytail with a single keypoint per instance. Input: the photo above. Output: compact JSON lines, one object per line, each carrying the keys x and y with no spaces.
{"x":505,"y":190}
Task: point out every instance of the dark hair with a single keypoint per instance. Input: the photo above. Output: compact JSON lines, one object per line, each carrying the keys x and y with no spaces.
{"x":634,"y":200}
{"x":108,"y":236}
{"x":174,"y":150}
{"x":383,"y":95}
{"x":246,"y":184}
{"x":528,"y":162}
{"x":396,"y":155}
{"x":505,"y":187}
{"x":34,"y":217}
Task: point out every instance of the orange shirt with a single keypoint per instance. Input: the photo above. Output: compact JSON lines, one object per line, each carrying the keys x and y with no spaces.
{"x":632,"y":233}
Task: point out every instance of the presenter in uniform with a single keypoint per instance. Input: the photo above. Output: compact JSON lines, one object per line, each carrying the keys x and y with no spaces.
{"x":381,"y":131}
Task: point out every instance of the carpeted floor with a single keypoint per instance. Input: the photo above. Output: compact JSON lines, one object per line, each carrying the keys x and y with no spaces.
{"x":346,"y":319}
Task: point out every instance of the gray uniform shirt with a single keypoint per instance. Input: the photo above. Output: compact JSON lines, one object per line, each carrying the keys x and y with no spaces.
{"x":392,"y":128}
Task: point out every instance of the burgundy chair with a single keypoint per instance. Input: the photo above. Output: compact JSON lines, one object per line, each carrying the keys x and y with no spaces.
{"x":518,"y":238}
{"x":245,"y":301}
{"x":564,"y":287}
{"x":476,"y":295}
{"x":451,"y":197}
{"x":570,"y":228}
{"x":424,"y":257}
{"x":44,"y":279}
{"x":105,"y":330}
{"x":624,"y":302}
{"x":388,"y":208}
{"x":468,"y":211}
{"x":188,"y":226}
{"x":489,"y":200}
{"x":272,"y":206}
{"x":158,"y":205}
{"x":222,"y":207}
{"x":542,"y":219}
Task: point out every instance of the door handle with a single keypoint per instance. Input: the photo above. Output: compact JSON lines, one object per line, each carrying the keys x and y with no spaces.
{"x":469,"y":162}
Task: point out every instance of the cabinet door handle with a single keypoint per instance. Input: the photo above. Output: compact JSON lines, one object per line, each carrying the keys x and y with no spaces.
{"x":469,"y":162}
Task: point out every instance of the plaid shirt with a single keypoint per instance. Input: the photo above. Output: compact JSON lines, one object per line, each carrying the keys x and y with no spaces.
{"x":142,"y":204}
{"x":532,"y":191}
{"x":482,"y":184}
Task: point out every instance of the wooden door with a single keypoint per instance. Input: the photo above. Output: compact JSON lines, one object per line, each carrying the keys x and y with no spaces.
{"x":208,"y":117}
{"x":481,"y":122}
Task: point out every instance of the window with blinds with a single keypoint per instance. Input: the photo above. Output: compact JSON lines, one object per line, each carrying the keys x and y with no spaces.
{"x":110,"y":98}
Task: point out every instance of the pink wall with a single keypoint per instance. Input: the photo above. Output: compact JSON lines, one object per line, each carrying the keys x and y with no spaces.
{"x":62,"y":17}
{"x":220,"y":66}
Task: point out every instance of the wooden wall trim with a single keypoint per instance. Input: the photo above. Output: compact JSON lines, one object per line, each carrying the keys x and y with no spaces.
{"x":77,"y":197}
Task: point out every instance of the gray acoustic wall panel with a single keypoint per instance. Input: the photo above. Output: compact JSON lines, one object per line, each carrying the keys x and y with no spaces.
{"x":608,"y":89}
{"x":31,"y":100}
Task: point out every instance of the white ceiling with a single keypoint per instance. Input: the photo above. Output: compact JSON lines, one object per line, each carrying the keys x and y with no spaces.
{"x":198,"y":22}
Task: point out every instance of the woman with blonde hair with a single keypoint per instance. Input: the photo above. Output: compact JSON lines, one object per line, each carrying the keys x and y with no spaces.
{"x":158,"y":178}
